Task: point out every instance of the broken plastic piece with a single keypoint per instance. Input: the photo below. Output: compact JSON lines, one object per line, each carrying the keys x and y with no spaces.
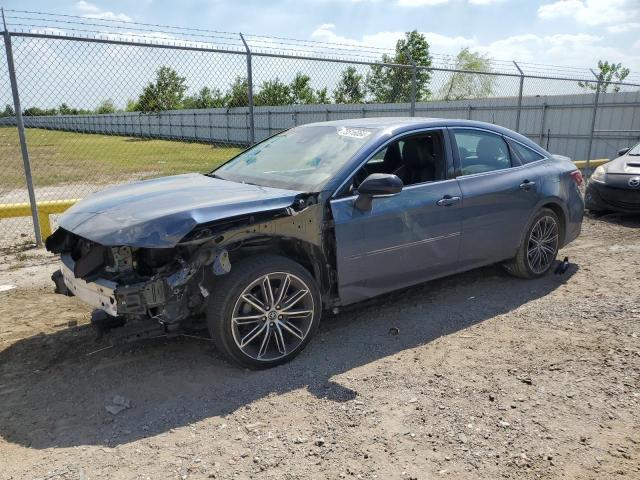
{"x":222,"y":264}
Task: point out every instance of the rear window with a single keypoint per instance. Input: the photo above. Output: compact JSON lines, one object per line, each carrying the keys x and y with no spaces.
{"x":480,"y":151}
{"x":525,"y":153}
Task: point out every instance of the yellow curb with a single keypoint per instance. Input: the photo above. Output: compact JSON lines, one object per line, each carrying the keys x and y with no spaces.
{"x":592,"y":163}
{"x":10,"y":210}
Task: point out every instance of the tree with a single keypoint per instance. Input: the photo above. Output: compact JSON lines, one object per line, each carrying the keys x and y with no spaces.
{"x":607,"y":72}
{"x":8,"y":111}
{"x":274,"y":92}
{"x":39,"y":112}
{"x":393,"y":84}
{"x":205,"y":98}
{"x":350,"y":88}
{"x":238,"y":95}
{"x":469,"y":85}
{"x":301,"y":91}
{"x":132,"y":106}
{"x":106,"y":106}
{"x":322,"y":96}
{"x":67,"y":110}
{"x":166,"y":93}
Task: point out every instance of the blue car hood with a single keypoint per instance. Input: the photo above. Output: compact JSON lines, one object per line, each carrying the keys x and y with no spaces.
{"x":159,"y":213}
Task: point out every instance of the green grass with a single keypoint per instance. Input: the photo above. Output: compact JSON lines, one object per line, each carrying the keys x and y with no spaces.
{"x":59,"y":158}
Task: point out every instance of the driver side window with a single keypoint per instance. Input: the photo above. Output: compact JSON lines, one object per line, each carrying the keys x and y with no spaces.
{"x":415,"y":159}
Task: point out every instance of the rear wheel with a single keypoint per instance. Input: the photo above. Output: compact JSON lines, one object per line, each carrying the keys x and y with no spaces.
{"x":264,"y":312}
{"x":539,"y":247}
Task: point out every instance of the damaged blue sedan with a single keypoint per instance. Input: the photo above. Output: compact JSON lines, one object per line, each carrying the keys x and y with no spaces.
{"x":311,"y":219}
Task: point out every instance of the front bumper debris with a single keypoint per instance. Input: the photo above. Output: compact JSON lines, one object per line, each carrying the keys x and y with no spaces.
{"x":107,"y":295}
{"x":168,"y":297}
{"x":99,"y":293}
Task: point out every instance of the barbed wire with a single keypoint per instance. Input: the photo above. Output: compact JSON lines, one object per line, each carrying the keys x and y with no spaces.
{"x":163,"y":34}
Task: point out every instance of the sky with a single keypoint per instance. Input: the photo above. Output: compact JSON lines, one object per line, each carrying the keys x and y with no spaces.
{"x":566,"y":33}
{"x":558,"y":32}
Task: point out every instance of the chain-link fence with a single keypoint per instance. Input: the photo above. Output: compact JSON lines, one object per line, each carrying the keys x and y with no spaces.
{"x":118,"y":107}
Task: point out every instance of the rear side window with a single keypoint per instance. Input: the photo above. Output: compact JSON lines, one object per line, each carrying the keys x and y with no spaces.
{"x":481,"y":152}
{"x":525,"y":153}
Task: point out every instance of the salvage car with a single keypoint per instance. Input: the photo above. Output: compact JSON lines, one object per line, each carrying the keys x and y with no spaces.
{"x":312,"y":219}
{"x":615,"y":186}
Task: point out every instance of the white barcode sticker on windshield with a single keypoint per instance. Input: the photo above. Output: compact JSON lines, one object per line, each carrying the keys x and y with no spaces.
{"x":353,"y":132}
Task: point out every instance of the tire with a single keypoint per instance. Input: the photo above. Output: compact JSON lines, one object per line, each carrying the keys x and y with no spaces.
{"x":524,"y":265}
{"x":240,"y":328}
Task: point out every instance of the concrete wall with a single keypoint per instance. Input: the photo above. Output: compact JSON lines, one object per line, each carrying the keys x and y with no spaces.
{"x":560,"y":123}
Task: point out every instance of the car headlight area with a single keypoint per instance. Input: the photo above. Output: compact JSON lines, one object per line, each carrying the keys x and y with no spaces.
{"x":599,"y":175}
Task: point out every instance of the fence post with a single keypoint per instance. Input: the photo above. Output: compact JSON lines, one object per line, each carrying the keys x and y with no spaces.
{"x":268,"y":123}
{"x":519,"y":97}
{"x":413,"y":89}
{"x":210,"y":127}
{"x":593,"y":120}
{"x":252,"y":132}
{"x":414,"y":79}
{"x":227,"y":125}
{"x":542,"y":118}
{"x":21,"y":135}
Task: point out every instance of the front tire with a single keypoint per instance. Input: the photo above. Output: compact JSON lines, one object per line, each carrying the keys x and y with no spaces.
{"x":264,"y":312}
{"x":539,"y":247}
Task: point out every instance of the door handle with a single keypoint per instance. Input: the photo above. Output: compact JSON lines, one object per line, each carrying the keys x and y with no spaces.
{"x":527,"y":185}
{"x":447,"y":201}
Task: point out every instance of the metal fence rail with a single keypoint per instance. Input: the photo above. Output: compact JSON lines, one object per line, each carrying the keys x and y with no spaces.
{"x":74,"y":121}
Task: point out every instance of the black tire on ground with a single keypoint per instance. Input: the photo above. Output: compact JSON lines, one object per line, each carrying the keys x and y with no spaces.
{"x":225,"y":301}
{"x":519,"y":266}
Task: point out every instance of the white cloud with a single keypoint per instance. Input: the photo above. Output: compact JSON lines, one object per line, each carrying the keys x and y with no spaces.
{"x":90,"y":10}
{"x":432,"y":3}
{"x":87,"y":7}
{"x":421,"y":3}
{"x":448,"y":45}
{"x":109,"y":16}
{"x":439,"y":43}
{"x":485,"y":2}
{"x":591,"y":12}
{"x":623,"y":27}
{"x":579,"y":50}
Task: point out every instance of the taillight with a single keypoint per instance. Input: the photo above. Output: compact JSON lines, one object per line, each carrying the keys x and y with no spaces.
{"x":577,"y":177}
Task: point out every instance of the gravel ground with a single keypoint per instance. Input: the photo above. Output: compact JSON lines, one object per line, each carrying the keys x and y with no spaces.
{"x":474,"y":376}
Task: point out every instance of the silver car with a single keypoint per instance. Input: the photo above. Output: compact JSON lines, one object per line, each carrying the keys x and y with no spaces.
{"x":615,"y":186}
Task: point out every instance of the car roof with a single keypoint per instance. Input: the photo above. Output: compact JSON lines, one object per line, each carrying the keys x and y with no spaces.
{"x":391,"y":126}
{"x":396,"y":122}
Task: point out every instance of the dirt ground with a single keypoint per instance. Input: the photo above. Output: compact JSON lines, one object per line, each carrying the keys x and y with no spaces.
{"x":485,"y":377}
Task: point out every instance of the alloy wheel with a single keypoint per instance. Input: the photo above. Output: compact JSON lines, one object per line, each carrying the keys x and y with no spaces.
{"x":543,"y":244}
{"x":272,"y":316}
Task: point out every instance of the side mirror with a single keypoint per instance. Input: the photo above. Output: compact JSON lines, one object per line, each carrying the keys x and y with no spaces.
{"x":623,"y":151}
{"x":377,"y":185}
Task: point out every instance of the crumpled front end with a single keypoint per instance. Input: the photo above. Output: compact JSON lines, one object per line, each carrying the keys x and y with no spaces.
{"x":166,"y":285}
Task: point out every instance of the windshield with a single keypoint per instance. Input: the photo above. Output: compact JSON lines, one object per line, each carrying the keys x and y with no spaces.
{"x":635,"y":150}
{"x":303,"y":158}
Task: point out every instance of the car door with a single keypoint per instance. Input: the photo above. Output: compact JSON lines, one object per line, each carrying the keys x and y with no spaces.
{"x":499,"y":195}
{"x":403,"y":239}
